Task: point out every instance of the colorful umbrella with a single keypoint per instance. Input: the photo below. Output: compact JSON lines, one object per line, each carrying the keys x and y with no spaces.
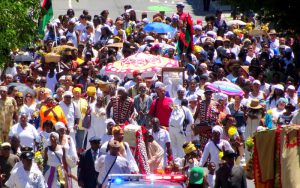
{"x":160,"y":8}
{"x":147,"y":64}
{"x":226,"y":87}
{"x":158,"y":27}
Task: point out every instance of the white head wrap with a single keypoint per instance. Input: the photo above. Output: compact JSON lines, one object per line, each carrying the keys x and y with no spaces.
{"x":60,"y":125}
{"x":218,"y":128}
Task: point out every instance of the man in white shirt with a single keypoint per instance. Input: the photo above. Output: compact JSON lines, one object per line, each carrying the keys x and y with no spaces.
{"x":111,"y":163}
{"x":26,"y":176}
{"x":71,"y":111}
{"x":118,"y":134}
{"x":161,"y":136}
{"x":180,"y":95}
{"x":214,"y":147}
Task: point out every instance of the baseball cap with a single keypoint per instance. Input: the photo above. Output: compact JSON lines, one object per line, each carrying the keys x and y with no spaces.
{"x":196,"y":175}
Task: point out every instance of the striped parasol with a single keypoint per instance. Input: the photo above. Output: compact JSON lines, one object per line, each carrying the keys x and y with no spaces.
{"x":226,"y":87}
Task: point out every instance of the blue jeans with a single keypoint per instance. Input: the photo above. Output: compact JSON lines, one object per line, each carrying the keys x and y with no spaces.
{"x":79,"y":138}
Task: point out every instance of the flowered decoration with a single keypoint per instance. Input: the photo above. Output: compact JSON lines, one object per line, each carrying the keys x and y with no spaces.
{"x":38,"y":158}
{"x":232,"y":131}
{"x":221,"y":154}
{"x":249,"y":142}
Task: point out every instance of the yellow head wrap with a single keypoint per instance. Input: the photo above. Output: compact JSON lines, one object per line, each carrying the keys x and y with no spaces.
{"x":19,"y":94}
{"x":77,"y":89}
{"x":189,"y":148}
{"x":91,"y":91}
{"x":197,"y":49}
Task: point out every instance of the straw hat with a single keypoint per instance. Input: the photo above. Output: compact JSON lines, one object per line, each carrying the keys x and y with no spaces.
{"x":254,"y":104}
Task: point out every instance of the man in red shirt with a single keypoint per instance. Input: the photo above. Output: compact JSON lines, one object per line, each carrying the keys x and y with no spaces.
{"x":182,"y":15}
{"x":161,"y":106}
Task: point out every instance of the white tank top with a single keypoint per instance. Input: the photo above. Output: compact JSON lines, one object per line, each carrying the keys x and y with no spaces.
{"x":51,"y":82}
{"x":72,"y":37}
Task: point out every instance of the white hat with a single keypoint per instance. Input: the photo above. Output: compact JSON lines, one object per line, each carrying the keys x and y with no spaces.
{"x":256,"y":82}
{"x":59,"y":125}
{"x":119,"y":88}
{"x":193,"y":98}
{"x":128,"y":10}
{"x":62,"y":77}
{"x":218,"y":128}
{"x":159,"y":85}
{"x":110,"y":121}
{"x":279,"y":87}
{"x":3,"y":88}
{"x":145,"y":20}
{"x":181,"y":4}
{"x":229,"y":33}
{"x":212,"y":34}
{"x":221,"y":96}
{"x":149,"y":38}
{"x":180,"y":88}
{"x":143,"y":84}
{"x":291,"y":87}
{"x":5,"y":144}
{"x":73,"y":20}
{"x":68,"y":93}
{"x":198,"y":27}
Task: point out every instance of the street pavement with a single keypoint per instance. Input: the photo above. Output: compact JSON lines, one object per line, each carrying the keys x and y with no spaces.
{"x":116,"y":8}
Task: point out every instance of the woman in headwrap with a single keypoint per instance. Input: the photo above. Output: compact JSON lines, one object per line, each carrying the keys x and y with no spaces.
{"x":53,"y":155}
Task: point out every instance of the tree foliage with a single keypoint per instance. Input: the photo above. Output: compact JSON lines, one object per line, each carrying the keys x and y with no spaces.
{"x":18,"y":25}
{"x":283,"y":15}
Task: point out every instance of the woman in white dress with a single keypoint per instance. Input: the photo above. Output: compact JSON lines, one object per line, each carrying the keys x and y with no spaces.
{"x":53,"y":155}
{"x":69,"y":149}
{"x":98,"y":117}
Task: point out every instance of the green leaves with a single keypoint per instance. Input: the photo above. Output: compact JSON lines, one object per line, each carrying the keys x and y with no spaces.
{"x":18,"y":25}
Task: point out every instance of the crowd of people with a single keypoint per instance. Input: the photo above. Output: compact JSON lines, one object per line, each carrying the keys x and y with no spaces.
{"x":72,"y":113}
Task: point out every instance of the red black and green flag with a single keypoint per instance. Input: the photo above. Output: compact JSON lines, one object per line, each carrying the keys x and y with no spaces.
{"x":185,"y":41}
{"x":47,"y":14}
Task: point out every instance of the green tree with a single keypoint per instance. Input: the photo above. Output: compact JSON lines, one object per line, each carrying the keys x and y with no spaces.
{"x":283,"y":15}
{"x":18,"y":25}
